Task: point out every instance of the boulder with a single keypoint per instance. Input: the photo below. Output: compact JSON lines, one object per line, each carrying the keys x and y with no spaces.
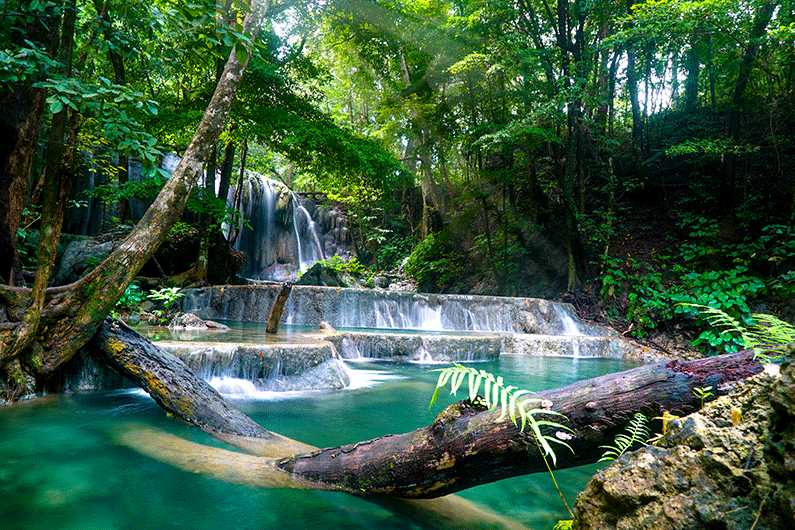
{"x":190,"y":321}
{"x":323,"y":275}
{"x":82,"y":254}
{"x":723,"y":467}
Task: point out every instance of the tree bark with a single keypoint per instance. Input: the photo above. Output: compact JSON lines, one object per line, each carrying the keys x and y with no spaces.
{"x":57,"y":183}
{"x":693,"y":63}
{"x":226,"y":170}
{"x":177,"y":390}
{"x":278,"y":308}
{"x":465,"y":446}
{"x":13,"y":184}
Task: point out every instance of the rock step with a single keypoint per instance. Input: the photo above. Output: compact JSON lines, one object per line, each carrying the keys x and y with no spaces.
{"x":375,"y":308}
{"x":274,"y":367}
{"x":479,"y":347}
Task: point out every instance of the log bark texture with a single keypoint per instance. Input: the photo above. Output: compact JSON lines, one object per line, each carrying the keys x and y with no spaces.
{"x":278,"y":308}
{"x":465,"y":446}
{"x":170,"y":382}
{"x":175,"y":388}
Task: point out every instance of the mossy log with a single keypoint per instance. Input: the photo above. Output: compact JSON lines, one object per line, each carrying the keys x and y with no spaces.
{"x":181,"y":393}
{"x":465,"y":446}
{"x":175,"y":388}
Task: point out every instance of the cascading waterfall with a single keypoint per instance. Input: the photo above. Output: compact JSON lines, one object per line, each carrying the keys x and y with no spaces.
{"x":277,"y":232}
{"x":308,"y":251}
{"x":570,"y":329}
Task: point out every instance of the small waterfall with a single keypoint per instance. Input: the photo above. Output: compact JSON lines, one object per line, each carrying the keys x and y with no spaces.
{"x":570,"y":329}
{"x":308,"y":251}
{"x":280,"y":233}
{"x":234,"y":387}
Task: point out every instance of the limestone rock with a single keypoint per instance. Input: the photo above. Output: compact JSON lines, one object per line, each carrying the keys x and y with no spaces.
{"x":322,"y":275}
{"x":192,"y":322}
{"x":82,"y":254}
{"x":706,"y":472}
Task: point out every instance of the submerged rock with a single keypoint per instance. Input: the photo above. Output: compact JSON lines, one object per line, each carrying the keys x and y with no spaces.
{"x":724,"y":467}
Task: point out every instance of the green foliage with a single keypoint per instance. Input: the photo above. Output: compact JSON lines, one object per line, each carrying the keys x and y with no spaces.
{"x":709,"y":146}
{"x":514,"y":403}
{"x":703,"y":393}
{"x":636,"y":434}
{"x":435,"y":263}
{"x":392,"y":253}
{"x":351,"y":265}
{"x":771,"y":338}
{"x":564,"y":524}
{"x":167,"y":297}
{"x":133,"y":297}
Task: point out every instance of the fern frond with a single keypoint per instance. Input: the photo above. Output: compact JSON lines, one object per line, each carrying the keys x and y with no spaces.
{"x":771,"y":338}
{"x":514,"y":403}
{"x":636,"y":433}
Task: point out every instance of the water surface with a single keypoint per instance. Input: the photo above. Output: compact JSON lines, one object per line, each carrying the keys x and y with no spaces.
{"x":59,"y":466}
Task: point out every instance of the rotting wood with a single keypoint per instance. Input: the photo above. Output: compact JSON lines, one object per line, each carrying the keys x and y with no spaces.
{"x":278,"y":308}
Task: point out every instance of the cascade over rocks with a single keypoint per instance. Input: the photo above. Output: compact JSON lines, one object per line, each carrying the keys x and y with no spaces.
{"x":707,"y":472}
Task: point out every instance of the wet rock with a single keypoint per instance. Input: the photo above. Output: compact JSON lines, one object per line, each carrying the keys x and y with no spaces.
{"x":719,"y":468}
{"x":323,"y":275}
{"x":190,"y":321}
{"x":82,"y":253}
{"x":269,"y":367}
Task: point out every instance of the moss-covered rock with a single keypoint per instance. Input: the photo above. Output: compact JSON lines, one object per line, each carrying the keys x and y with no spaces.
{"x":723,"y":467}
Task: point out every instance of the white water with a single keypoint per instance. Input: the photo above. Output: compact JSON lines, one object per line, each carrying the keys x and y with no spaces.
{"x":243,"y":389}
{"x":277,"y":232}
{"x":570,"y":329}
{"x":311,"y":251}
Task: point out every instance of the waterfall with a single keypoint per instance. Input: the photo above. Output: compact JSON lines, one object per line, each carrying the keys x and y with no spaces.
{"x":308,"y":251}
{"x":280,"y":233}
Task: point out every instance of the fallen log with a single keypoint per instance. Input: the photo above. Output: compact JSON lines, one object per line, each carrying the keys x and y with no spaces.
{"x":465,"y":446}
{"x":177,"y":390}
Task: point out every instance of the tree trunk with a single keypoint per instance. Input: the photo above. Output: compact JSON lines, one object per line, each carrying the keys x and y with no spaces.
{"x":632,"y":88}
{"x":278,"y":308}
{"x":226,"y":170}
{"x":727,"y":197}
{"x":175,"y":388}
{"x":57,"y":183}
{"x":13,"y":184}
{"x":691,"y":82}
{"x":465,"y":446}
{"x":73,"y":314}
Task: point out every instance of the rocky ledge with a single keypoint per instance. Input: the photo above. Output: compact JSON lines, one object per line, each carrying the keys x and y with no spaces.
{"x":730,"y":466}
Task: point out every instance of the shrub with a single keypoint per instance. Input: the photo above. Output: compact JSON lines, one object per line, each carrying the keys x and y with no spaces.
{"x":132,"y":298}
{"x":435,"y":263}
